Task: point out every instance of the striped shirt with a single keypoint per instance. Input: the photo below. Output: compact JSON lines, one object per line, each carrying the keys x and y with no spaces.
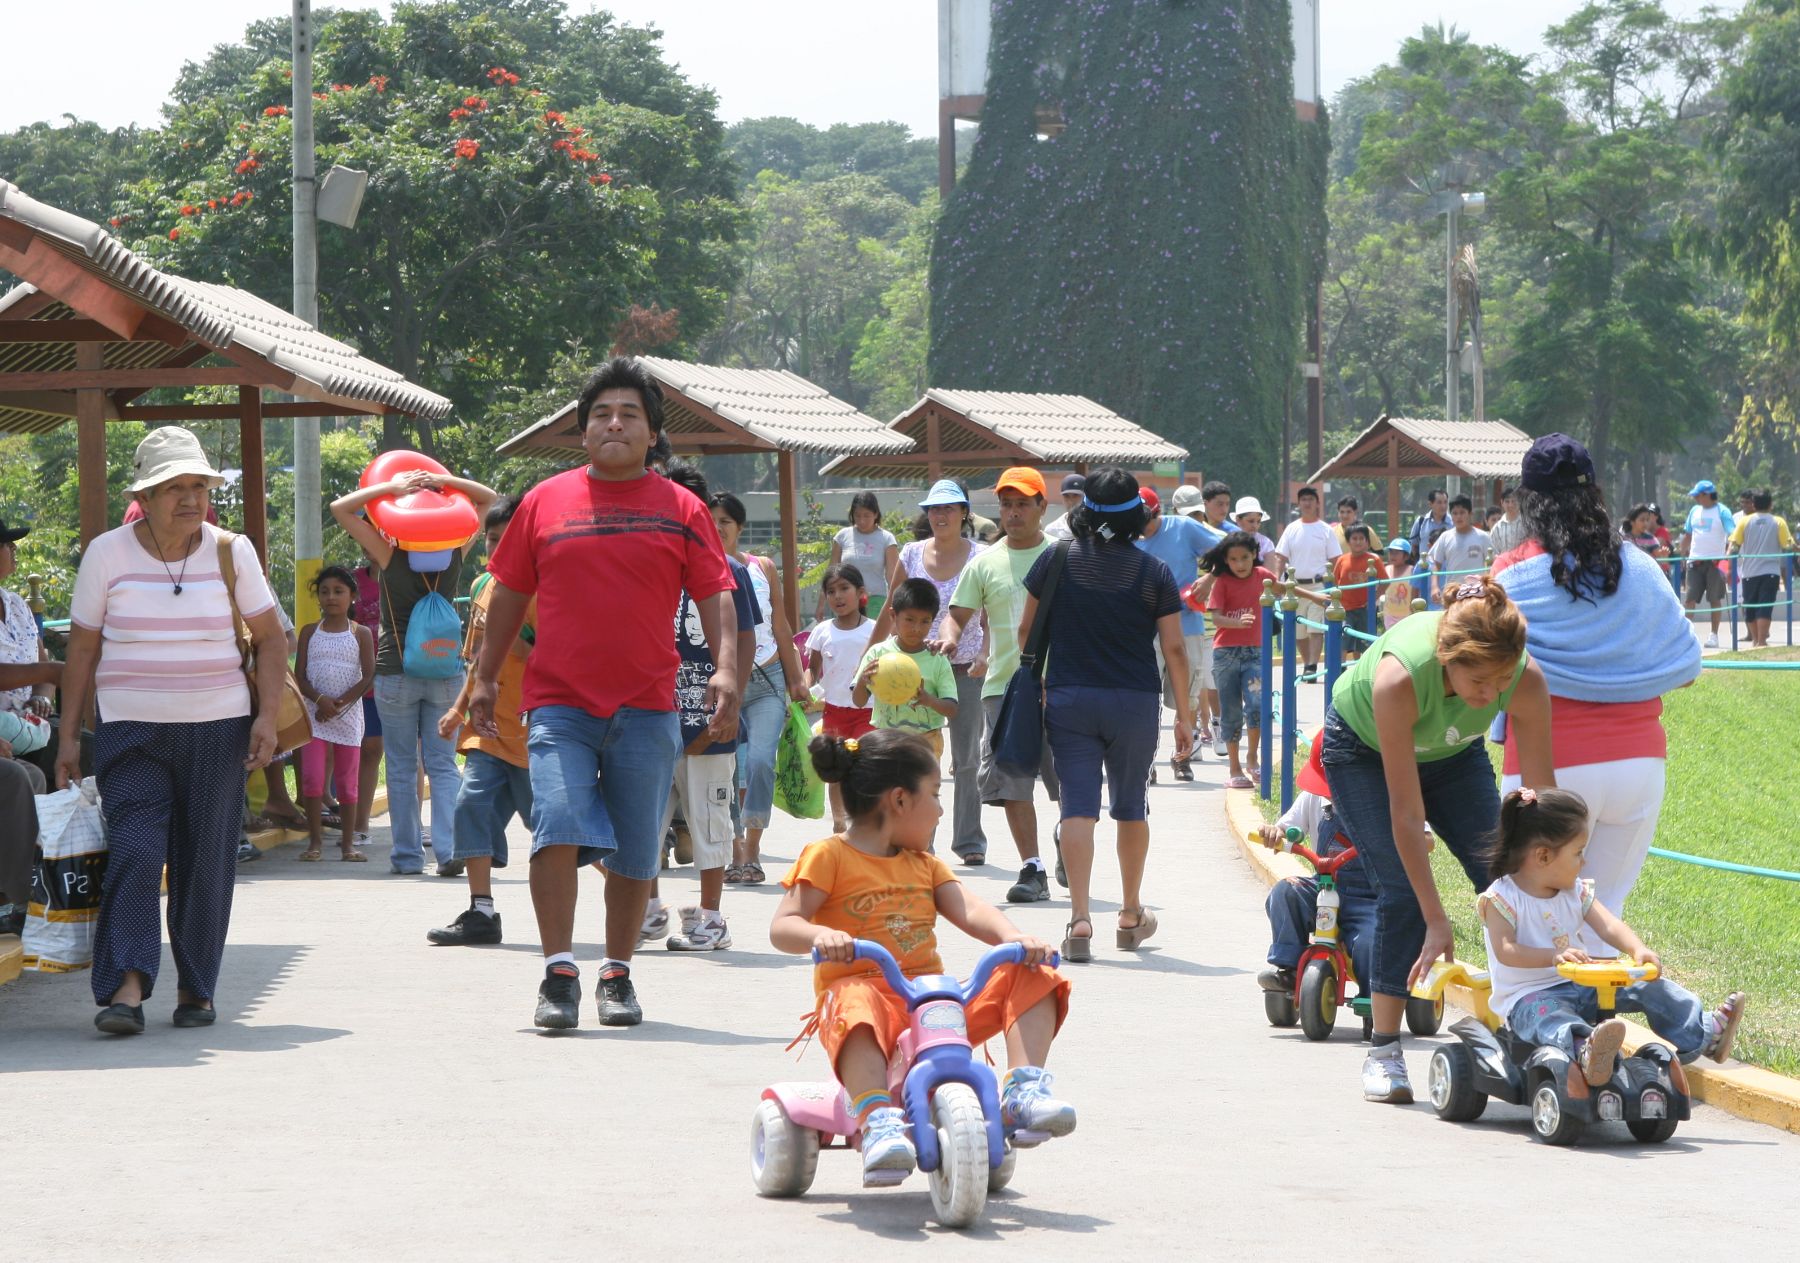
{"x":166,"y":658}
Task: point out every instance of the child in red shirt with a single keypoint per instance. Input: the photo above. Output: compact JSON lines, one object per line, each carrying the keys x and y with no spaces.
{"x":1349,"y":573}
{"x":1231,"y":591}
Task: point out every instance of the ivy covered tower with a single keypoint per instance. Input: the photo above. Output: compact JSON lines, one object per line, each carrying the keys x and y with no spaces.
{"x":1141,"y":221}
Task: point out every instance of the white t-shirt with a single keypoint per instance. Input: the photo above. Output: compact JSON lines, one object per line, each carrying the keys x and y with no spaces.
{"x":18,"y":644}
{"x":1460,"y":550}
{"x":1551,"y":924}
{"x":1708,"y":526}
{"x":842,"y":652}
{"x":868,"y":553}
{"x":1309,"y":548}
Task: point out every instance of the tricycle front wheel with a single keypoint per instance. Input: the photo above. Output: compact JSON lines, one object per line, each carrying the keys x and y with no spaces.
{"x":959,"y":1186}
{"x":1318,"y":998}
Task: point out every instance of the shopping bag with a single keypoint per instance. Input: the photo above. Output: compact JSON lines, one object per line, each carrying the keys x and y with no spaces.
{"x":64,"y":910}
{"x":798,"y":789}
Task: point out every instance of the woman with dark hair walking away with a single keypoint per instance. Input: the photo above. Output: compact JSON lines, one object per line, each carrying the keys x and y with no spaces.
{"x":1103,"y":701}
{"x":867,"y":546}
{"x":1609,"y":634}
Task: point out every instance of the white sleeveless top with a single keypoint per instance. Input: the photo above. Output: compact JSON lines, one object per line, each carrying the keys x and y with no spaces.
{"x":1552,"y":924}
{"x":333,"y":666}
{"x":765,"y":630}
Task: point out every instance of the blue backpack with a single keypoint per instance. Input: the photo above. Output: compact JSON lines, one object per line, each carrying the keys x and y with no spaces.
{"x":433,"y":639}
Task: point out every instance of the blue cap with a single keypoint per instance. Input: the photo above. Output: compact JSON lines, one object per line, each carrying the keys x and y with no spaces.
{"x":1402,"y":543}
{"x":944,"y":491}
{"x":1703,"y":487}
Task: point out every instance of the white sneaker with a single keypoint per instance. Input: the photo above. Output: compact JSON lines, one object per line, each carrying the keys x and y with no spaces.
{"x":1712,"y":641}
{"x":1221,"y":747}
{"x":887,"y":1150}
{"x":1384,"y":1076}
{"x":656,"y":923}
{"x":701,"y":931}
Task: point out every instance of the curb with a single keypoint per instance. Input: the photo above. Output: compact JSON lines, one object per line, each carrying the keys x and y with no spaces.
{"x":12,"y":958}
{"x":1746,"y":1092}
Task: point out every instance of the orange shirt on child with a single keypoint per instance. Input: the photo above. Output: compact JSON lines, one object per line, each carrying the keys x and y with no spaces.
{"x":889,"y":900}
{"x":1351,"y":568}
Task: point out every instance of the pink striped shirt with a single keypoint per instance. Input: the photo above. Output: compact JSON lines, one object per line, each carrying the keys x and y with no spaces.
{"x":166,"y":658}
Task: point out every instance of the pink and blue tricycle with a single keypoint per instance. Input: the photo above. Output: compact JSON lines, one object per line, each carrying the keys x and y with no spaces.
{"x":952,"y":1100}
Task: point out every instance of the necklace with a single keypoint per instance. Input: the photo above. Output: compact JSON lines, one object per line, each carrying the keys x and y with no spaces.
{"x":173,"y":579}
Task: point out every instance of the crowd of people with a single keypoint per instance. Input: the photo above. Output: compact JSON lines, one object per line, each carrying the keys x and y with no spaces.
{"x":1124,"y":611}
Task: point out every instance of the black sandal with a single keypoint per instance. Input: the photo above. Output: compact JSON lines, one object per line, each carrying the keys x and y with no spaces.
{"x":121,"y":1019}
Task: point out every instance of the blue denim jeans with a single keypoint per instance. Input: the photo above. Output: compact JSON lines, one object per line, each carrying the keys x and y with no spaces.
{"x":1293,"y":905}
{"x":1560,"y":1013}
{"x":1093,"y":730}
{"x":410,"y":709}
{"x":493,"y":792}
{"x":1238,"y":670}
{"x":765,"y":713}
{"x":603,"y":784}
{"x":1462,"y":804}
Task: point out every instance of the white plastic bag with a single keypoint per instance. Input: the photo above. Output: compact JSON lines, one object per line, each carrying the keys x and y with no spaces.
{"x":65,"y":881}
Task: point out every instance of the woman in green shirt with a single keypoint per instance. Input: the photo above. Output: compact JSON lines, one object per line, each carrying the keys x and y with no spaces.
{"x":1403,"y":747}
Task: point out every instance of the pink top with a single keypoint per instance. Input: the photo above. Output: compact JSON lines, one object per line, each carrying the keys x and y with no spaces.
{"x":166,"y":658}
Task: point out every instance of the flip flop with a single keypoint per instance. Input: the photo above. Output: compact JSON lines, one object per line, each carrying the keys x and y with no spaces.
{"x":310,"y":857}
{"x":1240,"y":782}
{"x":354,"y":856}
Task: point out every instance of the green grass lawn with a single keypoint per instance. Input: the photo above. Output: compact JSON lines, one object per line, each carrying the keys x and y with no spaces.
{"x":1731,"y":796}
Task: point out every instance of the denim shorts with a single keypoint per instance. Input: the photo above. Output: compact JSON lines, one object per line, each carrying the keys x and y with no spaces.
{"x":602,"y":785}
{"x":1103,"y":729}
{"x":493,"y":792}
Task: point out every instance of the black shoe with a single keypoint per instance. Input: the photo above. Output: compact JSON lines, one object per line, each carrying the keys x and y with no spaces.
{"x":1184,"y":771}
{"x":618,"y":999}
{"x":13,"y":922}
{"x":191,"y":1015}
{"x":1277,"y":979}
{"x":559,"y":999}
{"x":247,"y":852}
{"x":1032,"y":887}
{"x":468,"y":930}
{"x":450,"y":868}
{"x":121,"y":1019}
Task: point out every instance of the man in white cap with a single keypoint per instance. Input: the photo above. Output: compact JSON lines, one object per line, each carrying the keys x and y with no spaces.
{"x":1704,"y":542}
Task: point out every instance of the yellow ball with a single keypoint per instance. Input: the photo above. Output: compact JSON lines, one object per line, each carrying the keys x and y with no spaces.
{"x":896,"y":680}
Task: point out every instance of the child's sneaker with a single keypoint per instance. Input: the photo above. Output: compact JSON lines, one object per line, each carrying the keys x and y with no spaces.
{"x":888,"y":1155}
{"x":1384,"y":1076}
{"x":701,"y":931}
{"x":1221,"y":746}
{"x":1276,"y":978}
{"x":656,"y":924}
{"x":1722,"y":1024}
{"x":1029,"y":1112}
{"x":1601,"y":1050}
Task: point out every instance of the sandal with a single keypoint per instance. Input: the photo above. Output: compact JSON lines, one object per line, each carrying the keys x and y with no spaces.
{"x":311,"y":855}
{"x":753,"y":875}
{"x":331,"y":820}
{"x":354,"y":856}
{"x":1130,"y":938}
{"x":734,"y":874}
{"x":260,"y":824}
{"x":1078,"y":948}
{"x":1240,"y":782}
{"x":295,"y":821}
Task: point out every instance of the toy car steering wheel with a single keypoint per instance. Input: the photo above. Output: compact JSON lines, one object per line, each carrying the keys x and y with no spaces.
{"x":1607,"y":973}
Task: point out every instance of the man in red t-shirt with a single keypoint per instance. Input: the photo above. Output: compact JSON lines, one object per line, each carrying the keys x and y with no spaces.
{"x":607,"y":550}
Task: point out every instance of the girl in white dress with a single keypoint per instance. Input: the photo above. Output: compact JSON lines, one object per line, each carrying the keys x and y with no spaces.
{"x":335,"y":667}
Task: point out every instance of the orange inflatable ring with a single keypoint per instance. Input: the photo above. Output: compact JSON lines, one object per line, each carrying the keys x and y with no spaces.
{"x":420,"y":521}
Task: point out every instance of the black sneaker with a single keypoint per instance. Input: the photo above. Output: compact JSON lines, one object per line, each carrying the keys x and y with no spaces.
{"x":559,"y":999}
{"x":468,"y":930}
{"x":1184,"y":771}
{"x":1032,"y":887}
{"x":618,"y":999}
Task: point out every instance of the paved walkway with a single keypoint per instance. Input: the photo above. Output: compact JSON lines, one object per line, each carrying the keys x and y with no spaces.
{"x":370,"y":1095}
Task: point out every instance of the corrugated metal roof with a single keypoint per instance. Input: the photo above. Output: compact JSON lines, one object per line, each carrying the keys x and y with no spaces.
{"x":780,"y":410}
{"x":1479,"y":449}
{"x":216,"y":316}
{"x":1047,"y":430}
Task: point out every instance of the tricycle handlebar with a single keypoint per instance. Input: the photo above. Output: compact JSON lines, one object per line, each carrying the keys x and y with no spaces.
{"x":992,"y":959}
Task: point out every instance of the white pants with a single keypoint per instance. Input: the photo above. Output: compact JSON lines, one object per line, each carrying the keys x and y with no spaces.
{"x":1624,"y":800}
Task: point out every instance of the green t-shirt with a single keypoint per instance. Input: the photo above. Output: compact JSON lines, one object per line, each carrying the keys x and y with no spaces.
{"x":1446,"y":724}
{"x":940,"y":682}
{"x":995,"y":584}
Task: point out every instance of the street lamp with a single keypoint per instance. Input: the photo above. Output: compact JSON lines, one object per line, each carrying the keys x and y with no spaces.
{"x":1453,"y":204}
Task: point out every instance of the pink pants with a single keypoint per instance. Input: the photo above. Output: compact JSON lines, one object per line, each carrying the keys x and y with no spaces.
{"x":346,"y":763}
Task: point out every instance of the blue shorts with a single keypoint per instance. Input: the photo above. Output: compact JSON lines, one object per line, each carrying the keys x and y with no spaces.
{"x":1095,"y":730}
{"x":493,"y":792}
{"x":602,"y":785}
{"x":371,"y":718}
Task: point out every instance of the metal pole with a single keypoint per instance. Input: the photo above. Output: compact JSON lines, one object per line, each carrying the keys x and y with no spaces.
{"x":1266,"y":703}
{"x":309,"y":544}
{"x":1734,"y":604}
{"x":1290,"y":702}
{"x":1787,"y":564}
{"x":1452,"y":354}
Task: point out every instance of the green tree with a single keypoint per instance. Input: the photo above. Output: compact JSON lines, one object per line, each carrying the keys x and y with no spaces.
{"x":890,"y":356}
{"x":800,"y":151}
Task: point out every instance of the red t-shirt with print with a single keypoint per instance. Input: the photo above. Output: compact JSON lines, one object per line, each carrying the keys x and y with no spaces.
{"x":608,"y":562}
{"x":1238,"y":598}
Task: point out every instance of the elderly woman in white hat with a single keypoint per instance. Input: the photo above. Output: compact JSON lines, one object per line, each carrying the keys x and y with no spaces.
{"x":151,"y":628}
{"x":1248,"y":514}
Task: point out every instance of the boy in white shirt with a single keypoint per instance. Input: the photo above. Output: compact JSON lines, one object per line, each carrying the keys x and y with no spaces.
{"x":1460,"y":551}
{"x":1309,"y":546}
{"x":1707,"y":532}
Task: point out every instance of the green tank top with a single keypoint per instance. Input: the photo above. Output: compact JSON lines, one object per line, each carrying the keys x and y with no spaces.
{"x":1446,"y":724}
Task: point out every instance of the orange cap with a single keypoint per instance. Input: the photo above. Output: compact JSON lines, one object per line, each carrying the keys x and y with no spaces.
{"x":1023,"y":478}
{"x":1312,"y":773}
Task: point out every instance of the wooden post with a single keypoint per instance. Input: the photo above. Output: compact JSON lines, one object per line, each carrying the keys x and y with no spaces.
{"x":250,"y":440}
{"x":790,"y":530}
{"x":1393,"y":481}
{"x":90,"y":444}
{"x":933,"y":439}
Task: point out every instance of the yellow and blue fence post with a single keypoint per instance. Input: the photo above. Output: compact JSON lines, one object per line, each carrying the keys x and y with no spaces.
{"x":1334,"y":641}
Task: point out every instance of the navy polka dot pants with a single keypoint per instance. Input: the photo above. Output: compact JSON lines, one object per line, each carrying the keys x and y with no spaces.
{"x":171,"y":794}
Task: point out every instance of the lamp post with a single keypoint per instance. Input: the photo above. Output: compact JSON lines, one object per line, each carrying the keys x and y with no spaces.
{"x":1453,"y":205}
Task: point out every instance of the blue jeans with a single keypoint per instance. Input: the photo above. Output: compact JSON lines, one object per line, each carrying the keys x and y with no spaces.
{"x":602,"y":785}
{"x":1293,"y":905}
{"x":1462,"y":804}
{"x":765,"y":712}
{"x":1095,"y":729}
{"x":410,"y":708}
{"x":493,"y":792}
{"x":1564,"y":1011}
{"x":1238,"y":671}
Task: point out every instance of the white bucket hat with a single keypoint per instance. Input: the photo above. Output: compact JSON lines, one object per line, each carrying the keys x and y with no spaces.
{"x":1249,"y":504}
{"x":170,"y":451}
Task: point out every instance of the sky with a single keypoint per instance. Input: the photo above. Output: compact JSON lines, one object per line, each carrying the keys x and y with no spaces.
{"x":824,"y":61}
